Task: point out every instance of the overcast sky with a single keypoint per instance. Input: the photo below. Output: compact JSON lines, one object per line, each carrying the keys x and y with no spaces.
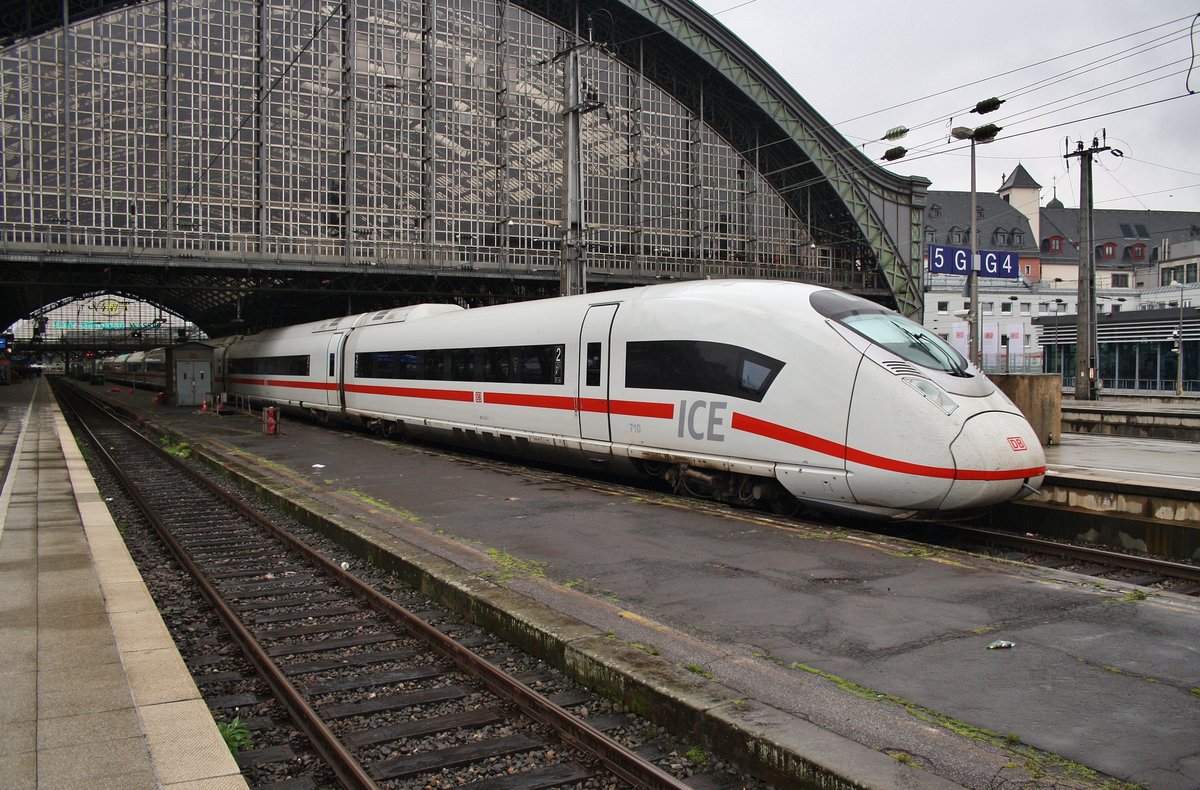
{"x":869,"y":65}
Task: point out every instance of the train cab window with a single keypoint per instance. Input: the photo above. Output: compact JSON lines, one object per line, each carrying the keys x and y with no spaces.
{"x":699,"y":366}
{"x":754,"y":375}
{"x":904,"y":338}
{"x":593,"y":364}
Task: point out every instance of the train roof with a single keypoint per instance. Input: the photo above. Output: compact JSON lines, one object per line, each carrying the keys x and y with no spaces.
{"x":745,"y":294}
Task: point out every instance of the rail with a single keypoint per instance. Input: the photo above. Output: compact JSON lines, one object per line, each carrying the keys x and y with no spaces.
{"x":615,"y":758}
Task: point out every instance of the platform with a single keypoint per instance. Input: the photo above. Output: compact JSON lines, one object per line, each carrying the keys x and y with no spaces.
{"x":1140,"y":417}
{"x":867,"y":656}
{"x":1139,"y":494}
{"x":93,"y":692}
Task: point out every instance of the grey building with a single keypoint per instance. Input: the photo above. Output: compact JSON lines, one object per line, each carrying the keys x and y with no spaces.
{"x":1146,"y":286}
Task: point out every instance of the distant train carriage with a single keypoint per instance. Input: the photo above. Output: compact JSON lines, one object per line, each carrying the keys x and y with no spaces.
{"x":140,"y":369}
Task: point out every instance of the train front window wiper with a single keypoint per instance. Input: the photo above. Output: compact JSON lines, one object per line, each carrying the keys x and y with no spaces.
{"x":945,"y":356}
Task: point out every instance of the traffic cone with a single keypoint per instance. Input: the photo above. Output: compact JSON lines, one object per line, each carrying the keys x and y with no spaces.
{"x":204,"y":406}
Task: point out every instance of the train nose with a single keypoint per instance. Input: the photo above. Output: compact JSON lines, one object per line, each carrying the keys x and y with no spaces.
{"x":997,"y":457}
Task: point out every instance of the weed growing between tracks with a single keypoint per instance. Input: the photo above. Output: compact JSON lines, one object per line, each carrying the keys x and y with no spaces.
{"x":236,"y":735}
{"x":177,"y":448}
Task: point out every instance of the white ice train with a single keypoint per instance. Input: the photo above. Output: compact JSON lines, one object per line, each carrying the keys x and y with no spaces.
{"x":744,"y":391}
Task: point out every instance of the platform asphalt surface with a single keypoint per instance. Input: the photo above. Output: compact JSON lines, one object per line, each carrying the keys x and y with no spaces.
{"x":881,"y":645}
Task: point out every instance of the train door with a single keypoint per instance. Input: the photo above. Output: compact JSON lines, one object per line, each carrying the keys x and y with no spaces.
{"x":333,"y":366}
{"x":594,"y":354}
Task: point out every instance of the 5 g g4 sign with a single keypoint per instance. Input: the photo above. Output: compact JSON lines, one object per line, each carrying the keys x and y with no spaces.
{"x":949,"y":260}
{"x":957,"y":260}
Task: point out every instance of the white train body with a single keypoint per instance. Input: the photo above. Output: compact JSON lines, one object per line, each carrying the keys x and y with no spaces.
{"x":740,"y":390}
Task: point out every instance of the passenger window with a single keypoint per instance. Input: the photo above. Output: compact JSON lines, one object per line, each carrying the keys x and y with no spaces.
{"x":593,"y":364}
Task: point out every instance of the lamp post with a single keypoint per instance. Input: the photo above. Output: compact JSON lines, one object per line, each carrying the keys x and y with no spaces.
{"x":1179,"y":343}
{"x":1058,"y":308}
{"x":980,"y":135}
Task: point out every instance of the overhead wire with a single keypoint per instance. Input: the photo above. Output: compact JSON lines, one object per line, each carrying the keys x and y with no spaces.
{"x":937,"y":146}
{"x":1019,"y":69}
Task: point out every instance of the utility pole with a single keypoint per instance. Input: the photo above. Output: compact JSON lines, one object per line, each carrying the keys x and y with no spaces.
{"x":1087,"y":352}
{"x":573,"y":274}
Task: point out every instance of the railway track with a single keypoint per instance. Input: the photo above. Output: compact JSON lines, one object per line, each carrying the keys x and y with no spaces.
{"x":1137,"y":569}
{"x":383,"y":696}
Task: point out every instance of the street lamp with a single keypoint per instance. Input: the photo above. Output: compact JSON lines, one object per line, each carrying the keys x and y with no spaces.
{"x":980,"y":135}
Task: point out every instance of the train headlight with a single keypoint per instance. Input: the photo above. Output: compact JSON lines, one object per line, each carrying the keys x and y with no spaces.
{"x":933,"y":393}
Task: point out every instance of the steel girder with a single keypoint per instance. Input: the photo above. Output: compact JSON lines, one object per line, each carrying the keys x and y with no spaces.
{"x":231,"y":299}
{"x":848,"y":198}
{"x":886,"y":209}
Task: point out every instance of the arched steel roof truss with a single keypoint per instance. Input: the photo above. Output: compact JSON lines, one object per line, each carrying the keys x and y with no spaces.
{"x":843,"y":196}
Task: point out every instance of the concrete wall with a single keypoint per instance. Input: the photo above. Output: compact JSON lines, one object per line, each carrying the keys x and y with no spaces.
{"x":1039,"y":397}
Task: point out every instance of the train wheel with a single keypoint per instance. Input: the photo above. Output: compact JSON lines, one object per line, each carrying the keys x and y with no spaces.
{"x":654,"y":468}
{"x":785,"y":504}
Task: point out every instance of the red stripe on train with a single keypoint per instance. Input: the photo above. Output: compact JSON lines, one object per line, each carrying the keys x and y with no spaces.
{"x":770,"y":430}
{"x":412,"y":392}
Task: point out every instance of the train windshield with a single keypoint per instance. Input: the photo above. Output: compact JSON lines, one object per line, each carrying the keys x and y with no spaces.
{"x":904,"y":338}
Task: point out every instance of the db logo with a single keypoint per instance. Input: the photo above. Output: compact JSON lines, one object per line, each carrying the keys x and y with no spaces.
{"x":1017,"y":443}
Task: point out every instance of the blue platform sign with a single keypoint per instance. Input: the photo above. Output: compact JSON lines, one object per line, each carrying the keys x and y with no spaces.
{"x":957,"y":260}
{"x":1006,"y":265}
{"x":949,"y":260}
